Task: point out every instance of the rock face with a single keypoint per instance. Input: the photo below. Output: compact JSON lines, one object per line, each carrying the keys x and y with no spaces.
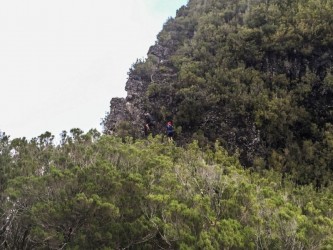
{"x":131,"y":110}
{"x":221,"y":72}
{"x":117,"y":114}
{"x":128,"y":113}
{"x":126,"y":110}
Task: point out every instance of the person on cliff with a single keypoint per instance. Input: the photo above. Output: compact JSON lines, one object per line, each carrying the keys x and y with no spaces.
{"x":149,"y":123}
{"x":169,"y":131}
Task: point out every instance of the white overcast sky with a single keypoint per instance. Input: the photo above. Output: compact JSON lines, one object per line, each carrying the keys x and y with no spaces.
{"x":61,"y":61}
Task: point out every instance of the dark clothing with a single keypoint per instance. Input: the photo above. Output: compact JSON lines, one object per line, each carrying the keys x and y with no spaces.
{"x":169,"y":130}
{"x":149,"y":124}
{"x":149,"y":120}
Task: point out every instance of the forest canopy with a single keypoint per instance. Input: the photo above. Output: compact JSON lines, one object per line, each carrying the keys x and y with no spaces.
{"x":97,"y":191}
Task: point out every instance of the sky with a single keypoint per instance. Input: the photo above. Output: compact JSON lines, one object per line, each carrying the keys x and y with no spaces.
{"x":62,"y":61}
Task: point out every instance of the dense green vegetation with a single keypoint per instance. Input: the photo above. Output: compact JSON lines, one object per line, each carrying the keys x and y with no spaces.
{"x":249,"y":86}
{"x":256,"y":75}
{"x":102,"y":192}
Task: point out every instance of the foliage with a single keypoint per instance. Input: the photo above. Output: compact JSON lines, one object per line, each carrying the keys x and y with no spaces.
{"x":103,"y":192}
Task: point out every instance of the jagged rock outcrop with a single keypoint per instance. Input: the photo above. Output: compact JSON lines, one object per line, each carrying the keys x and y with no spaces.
{"x":132,"y":108}
{"x":117,"y":114}
{"x":127,"y":109}
{"x":161,"y":52}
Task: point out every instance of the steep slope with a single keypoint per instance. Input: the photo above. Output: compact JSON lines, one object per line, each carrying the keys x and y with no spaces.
{"x":255,"y":75}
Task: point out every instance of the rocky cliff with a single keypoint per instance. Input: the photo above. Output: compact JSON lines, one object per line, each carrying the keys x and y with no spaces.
{"x":255,"y":75}
{"x":129,"y":111}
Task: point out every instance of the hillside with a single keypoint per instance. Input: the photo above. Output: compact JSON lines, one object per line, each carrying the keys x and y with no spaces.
{"x":255,"y":75}
{"x":249,"y":87}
